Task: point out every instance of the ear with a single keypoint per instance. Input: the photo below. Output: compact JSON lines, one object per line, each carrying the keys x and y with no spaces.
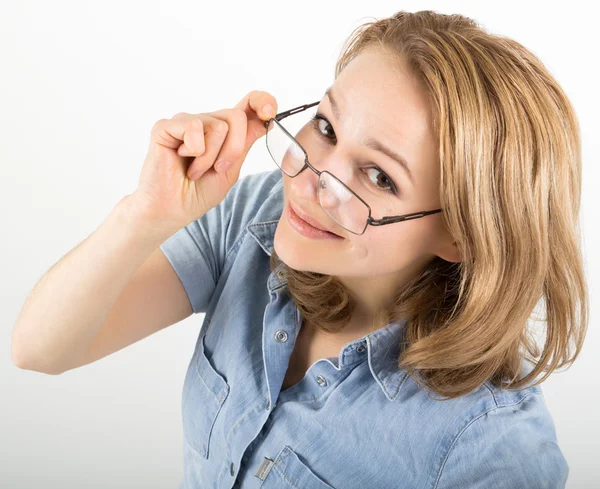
{"x":448,"y":250}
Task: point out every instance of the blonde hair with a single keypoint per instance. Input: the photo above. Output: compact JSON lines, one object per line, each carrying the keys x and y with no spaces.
{"x":510,"y":163}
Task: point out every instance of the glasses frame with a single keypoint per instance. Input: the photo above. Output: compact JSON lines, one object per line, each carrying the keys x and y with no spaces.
{"x":371,"y":221}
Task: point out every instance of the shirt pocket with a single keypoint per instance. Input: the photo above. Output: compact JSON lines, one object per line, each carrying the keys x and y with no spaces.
{"x":289,"y":472}
{"x":205,"y":391}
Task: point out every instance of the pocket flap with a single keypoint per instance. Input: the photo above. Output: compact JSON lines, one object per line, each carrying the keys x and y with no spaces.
{"x":288,"y":471}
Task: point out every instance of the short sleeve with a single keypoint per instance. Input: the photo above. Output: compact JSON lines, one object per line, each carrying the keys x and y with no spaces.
{"x":509,"y":447}
{"x":199,"y":250}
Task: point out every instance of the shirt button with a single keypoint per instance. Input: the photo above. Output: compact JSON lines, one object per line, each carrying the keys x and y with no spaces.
{"x":281,"y":336}
{"x":232,"y":469}
{"x":361,"y":348}
{"x":321,"y":381}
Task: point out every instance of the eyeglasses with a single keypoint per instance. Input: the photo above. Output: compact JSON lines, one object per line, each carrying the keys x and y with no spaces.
{"x":338,"y":201}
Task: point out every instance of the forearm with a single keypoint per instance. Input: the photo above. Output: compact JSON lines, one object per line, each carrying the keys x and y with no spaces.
{"x":71,"y":302}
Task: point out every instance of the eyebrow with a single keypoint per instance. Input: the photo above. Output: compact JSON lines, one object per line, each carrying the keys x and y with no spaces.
{"x":371,"y":142}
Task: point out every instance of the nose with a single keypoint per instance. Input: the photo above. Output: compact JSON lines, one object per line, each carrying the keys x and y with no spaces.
{"x":331,"y":162}
{"x":324,"y":186}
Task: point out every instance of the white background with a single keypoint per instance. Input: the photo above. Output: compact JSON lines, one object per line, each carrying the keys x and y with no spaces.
{"x":82,"y":83}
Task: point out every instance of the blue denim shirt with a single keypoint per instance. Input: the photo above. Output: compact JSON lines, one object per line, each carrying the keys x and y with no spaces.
{"x":355,"y":421}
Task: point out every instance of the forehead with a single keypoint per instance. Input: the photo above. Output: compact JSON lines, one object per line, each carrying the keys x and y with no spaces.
{"x":380,"y":97}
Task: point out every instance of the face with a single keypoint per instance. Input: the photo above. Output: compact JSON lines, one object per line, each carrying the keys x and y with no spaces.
{"x":376,"y":98}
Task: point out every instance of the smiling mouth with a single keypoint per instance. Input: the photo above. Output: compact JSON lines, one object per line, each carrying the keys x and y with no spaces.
{"x":311,"y":222}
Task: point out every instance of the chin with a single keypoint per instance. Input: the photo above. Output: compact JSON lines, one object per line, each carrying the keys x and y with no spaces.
{"x":297,"y":254}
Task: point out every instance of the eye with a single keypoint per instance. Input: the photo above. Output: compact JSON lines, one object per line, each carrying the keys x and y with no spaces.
{"x":316,"y":123}
{"x":383,"y":178}
{"x":320,"y":124}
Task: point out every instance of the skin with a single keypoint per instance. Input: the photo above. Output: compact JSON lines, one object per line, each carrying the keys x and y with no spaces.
{"x":378,"y":97}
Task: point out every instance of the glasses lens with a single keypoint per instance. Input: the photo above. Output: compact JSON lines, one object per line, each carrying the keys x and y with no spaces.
{"x":342,"y":205}
{"x":336,"y":199}
{"x":284,"y":150}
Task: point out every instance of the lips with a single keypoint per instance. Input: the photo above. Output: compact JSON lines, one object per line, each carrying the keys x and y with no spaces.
{"x":310,"y":221}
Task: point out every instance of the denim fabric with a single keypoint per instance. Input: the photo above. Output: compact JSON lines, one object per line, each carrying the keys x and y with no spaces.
{"x":355,"y":421}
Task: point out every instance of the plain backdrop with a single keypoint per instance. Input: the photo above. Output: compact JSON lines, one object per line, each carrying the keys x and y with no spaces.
{"x":82,"y":83}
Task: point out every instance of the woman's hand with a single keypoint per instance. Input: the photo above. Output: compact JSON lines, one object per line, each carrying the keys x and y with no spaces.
{"x":179,"y":181}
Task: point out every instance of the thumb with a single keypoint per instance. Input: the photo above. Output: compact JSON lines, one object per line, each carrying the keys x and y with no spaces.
{"x":259,"y":107}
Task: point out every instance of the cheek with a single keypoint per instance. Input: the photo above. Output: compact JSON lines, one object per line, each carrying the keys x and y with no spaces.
{"x":391,"y":247}
{"x":372,"y":247}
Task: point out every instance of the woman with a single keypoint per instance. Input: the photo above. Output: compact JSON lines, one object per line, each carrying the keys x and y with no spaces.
{"x":375,"y":353}
{"x":325,"y":372}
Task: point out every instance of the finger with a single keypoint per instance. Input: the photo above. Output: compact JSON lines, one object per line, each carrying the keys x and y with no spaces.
{"x":263,"y":104}
{"x":233,"y":150}
{"x":172,"y":132}
{"x":255,"y":105}
{"x":183,"y":150}
{"x":184,"y":115}
{"x":214,"y":136}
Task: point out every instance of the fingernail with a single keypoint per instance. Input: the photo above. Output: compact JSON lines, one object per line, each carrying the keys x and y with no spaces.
{"x":222,"y":166}
{"x":268,"y":110}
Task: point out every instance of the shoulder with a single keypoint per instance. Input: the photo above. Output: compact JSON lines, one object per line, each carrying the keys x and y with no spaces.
{"x":252,"y":199}
{"x":250,"y":193}
{"x":507,"y":441}
{"x":256,"y":187}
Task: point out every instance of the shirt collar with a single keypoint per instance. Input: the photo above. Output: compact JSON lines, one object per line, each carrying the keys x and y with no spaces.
{"x":383,"y":345}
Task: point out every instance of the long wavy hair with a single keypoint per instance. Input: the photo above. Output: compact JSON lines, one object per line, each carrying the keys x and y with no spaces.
{"x":510,"y":163}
